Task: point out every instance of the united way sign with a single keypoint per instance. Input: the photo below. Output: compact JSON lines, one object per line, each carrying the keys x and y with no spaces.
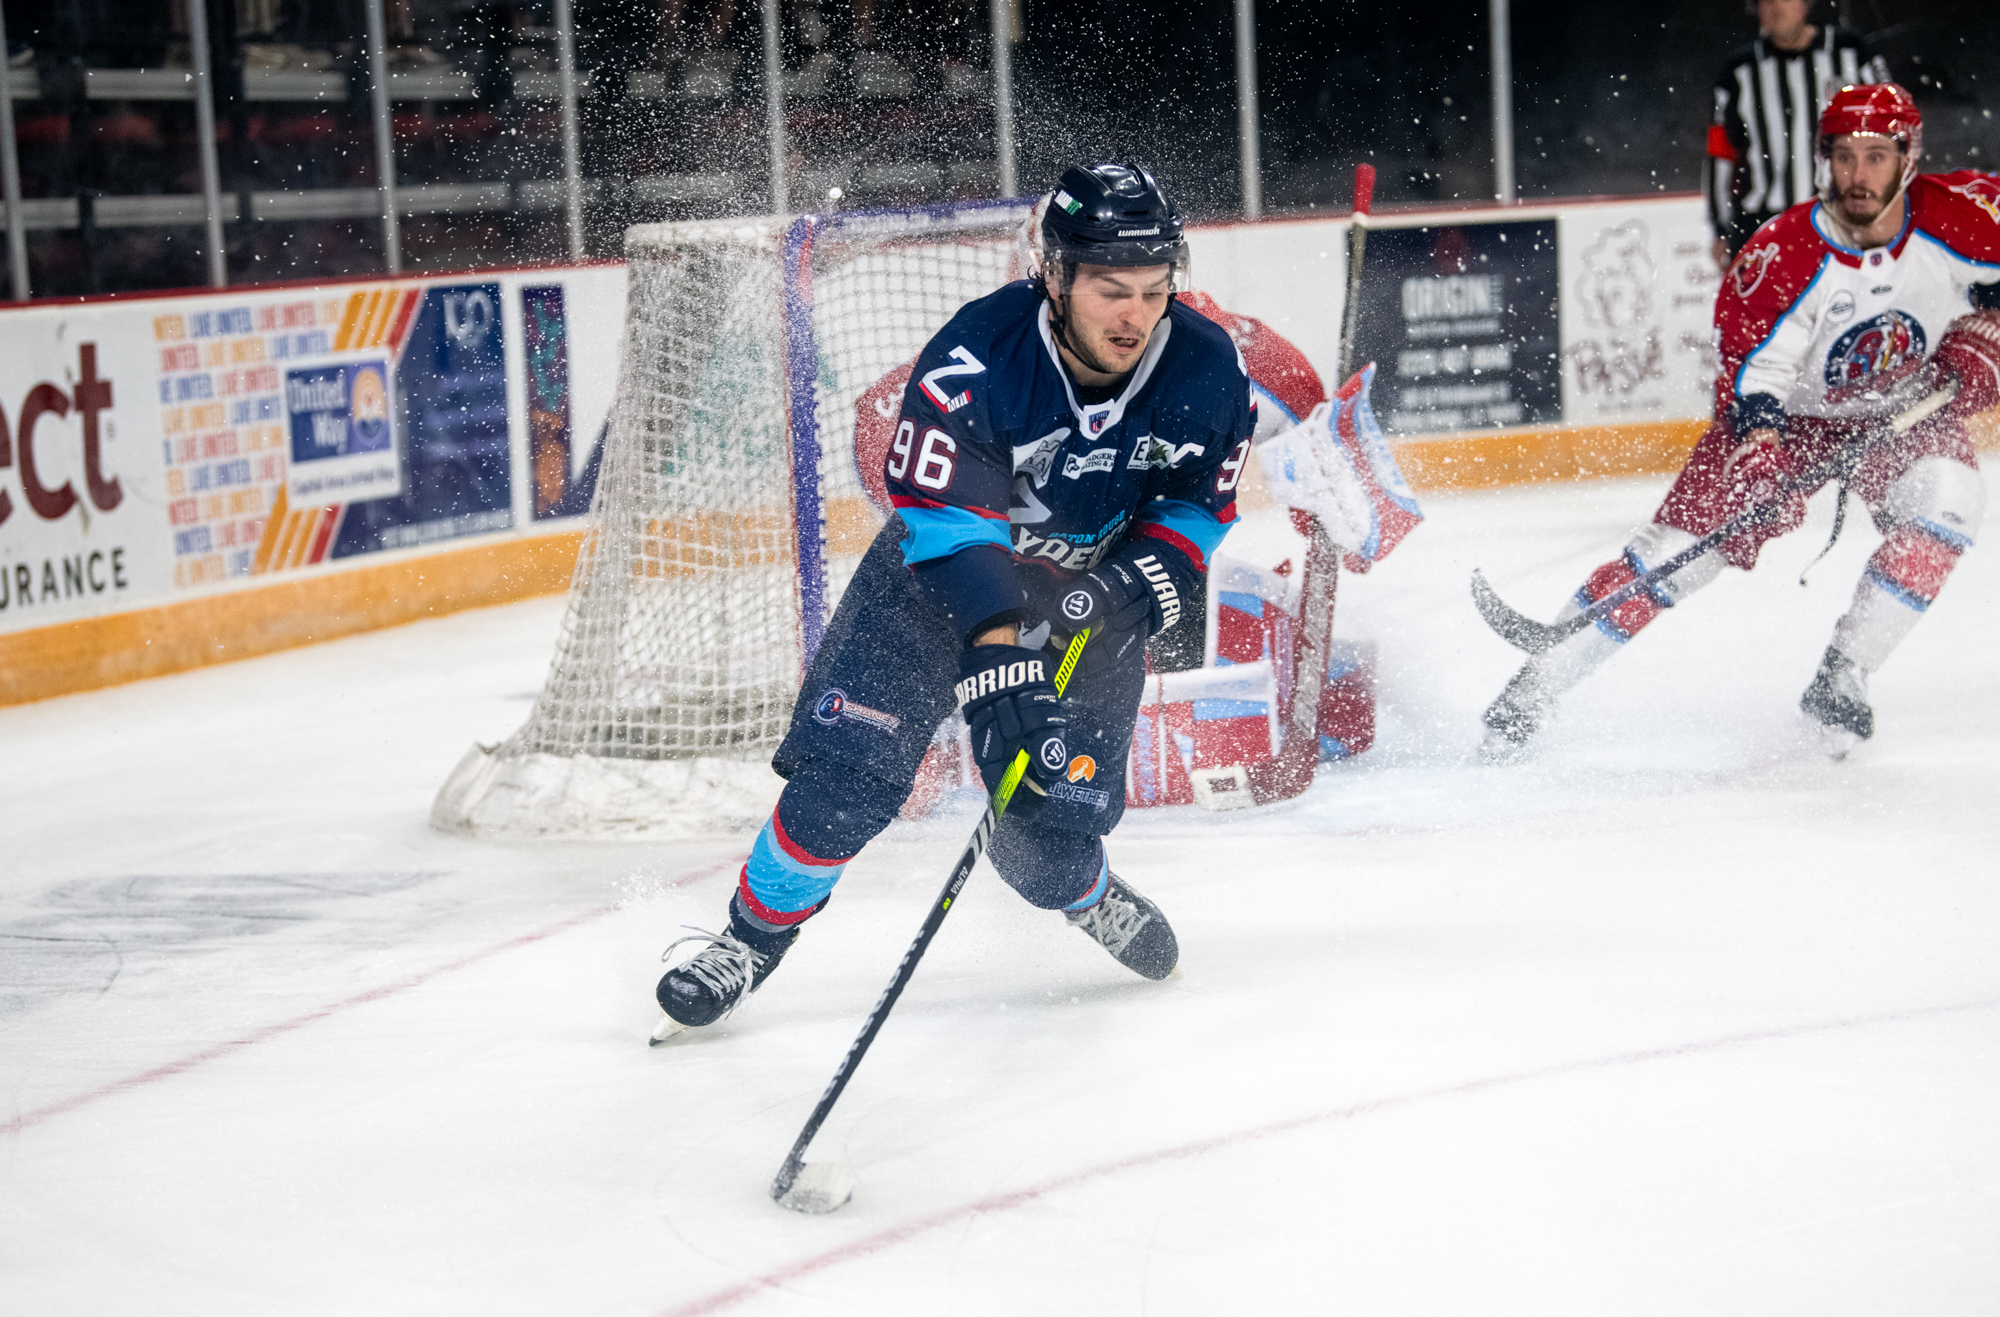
{"x":343,"y":441}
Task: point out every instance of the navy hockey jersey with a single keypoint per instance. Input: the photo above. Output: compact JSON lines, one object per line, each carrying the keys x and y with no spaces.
{"x":994,"y":454}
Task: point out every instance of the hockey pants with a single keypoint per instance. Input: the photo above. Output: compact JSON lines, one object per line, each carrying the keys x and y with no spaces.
{"x":876,"y":693}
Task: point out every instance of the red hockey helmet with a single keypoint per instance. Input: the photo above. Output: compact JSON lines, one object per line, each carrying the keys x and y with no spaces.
{"x":1881,"y":110}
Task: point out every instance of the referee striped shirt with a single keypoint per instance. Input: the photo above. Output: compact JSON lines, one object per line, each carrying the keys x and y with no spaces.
{"x":1761,"y":146}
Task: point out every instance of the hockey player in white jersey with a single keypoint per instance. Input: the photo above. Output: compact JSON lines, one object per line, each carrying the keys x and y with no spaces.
{"x":1835,"y":317}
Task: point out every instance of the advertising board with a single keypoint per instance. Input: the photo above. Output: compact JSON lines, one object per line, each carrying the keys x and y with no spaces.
{"x":163,"y":449}
{"x":1461,"y":320}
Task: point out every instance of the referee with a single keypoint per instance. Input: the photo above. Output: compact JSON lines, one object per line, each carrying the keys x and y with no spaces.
{"x":1761,"y":148}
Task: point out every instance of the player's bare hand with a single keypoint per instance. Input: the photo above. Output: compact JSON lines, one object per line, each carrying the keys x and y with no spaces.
{"x":1718,"y":251}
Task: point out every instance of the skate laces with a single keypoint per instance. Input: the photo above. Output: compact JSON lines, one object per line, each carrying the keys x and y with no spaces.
{"x":725,"y":966}
{"x":1114,"y":922}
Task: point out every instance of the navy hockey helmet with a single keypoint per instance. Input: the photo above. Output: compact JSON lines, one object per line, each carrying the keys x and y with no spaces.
{"x":1109,"y":215}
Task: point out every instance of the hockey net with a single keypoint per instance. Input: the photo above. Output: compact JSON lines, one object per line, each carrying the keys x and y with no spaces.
{"x":727,"y":515}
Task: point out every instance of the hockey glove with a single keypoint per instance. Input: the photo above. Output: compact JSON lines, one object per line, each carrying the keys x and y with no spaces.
{"x":1008,"y":696}
{"x":1969,"y":353}
{"x":1753,"y":475}
{"x":1125,"y":601}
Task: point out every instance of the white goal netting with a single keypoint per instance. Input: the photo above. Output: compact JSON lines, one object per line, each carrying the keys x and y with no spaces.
{"x":728,"y":512}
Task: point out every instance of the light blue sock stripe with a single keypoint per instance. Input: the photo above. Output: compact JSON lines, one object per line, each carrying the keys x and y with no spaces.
{"x":780,"y":882}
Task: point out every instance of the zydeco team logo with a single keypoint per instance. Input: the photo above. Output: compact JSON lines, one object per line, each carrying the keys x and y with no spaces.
{"x":343,"y":435}
{"x":1877,"y":344}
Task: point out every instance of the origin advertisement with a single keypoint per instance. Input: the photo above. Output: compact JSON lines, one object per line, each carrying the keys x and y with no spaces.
{"x":1461,"y":321}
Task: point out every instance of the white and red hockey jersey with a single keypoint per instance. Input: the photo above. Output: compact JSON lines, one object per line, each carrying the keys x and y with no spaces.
{"x":1802,"y":317}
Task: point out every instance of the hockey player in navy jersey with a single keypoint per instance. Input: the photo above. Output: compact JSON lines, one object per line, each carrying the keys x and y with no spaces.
{"x":1067,"y":457}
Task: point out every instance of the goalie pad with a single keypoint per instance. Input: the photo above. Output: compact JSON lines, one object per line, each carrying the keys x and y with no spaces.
{"x":1336,"y":465}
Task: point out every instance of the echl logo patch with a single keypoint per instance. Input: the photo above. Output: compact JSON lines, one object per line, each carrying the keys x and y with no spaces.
{"x":1877,"y":344}
{"x":1097,"y":422}
{"x":1751,"y":267}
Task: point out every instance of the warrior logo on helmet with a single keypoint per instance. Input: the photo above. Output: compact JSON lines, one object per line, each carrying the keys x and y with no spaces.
{"x":1877,"y":344}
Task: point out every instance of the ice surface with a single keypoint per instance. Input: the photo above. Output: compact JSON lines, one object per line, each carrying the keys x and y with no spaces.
{"x":1677,"y":1018}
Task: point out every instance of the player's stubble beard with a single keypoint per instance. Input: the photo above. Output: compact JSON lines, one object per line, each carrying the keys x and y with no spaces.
{"x":1079,"y":346}
{"x":1861,"y":206}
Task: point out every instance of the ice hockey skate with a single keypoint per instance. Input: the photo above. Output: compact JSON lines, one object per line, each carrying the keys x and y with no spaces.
{"x":1836,"y":704}
{"x":715,"y":981}
{"x":1132,"y":929}
{"x":1529,"y":700}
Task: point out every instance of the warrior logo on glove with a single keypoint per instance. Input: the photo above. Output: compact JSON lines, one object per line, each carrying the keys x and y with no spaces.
{"x":1163,"y":587}
{"x":1055,"y":755}
{"x":1077,"y":606}
{"x":1000,"y":679}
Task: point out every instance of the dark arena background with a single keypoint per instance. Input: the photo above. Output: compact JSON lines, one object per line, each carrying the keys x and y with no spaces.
{"x":889,"y":101}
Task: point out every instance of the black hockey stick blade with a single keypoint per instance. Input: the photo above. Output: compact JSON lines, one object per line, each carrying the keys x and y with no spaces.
{"x":817,"y":1188}
{"x":1517,"y":629}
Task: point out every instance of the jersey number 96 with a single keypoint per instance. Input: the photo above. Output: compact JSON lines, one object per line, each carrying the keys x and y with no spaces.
{"x":934,"y":461}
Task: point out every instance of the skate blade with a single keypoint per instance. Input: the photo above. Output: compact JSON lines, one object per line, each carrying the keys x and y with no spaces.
{"x":1835,"y":743}
{"x":668,"y":1029}
{"x":1497,"y":750}
{"x":820,"y":1187}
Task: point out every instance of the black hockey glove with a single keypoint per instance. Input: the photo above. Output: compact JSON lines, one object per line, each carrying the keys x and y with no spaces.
{"x":1009,"y":699}
{"x":1125,"y":601}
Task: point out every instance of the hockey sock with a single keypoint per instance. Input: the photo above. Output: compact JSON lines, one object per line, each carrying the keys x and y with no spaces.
{"x":1902,"y":578}
{"x":1097,"y":888}
{"x":1652,"y":545}
{"x":827,"y":813}
{"x":1546,"y":676}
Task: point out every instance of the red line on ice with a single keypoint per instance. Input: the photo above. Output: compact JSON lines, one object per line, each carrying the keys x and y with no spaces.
{"x":733,"y":1295}
{"x":264,"y":1035}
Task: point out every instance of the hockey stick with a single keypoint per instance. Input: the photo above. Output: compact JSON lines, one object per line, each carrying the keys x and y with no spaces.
{"x":820,"y":1187}
{"x":1289,"y":772}
{"x":1524,"y":633}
